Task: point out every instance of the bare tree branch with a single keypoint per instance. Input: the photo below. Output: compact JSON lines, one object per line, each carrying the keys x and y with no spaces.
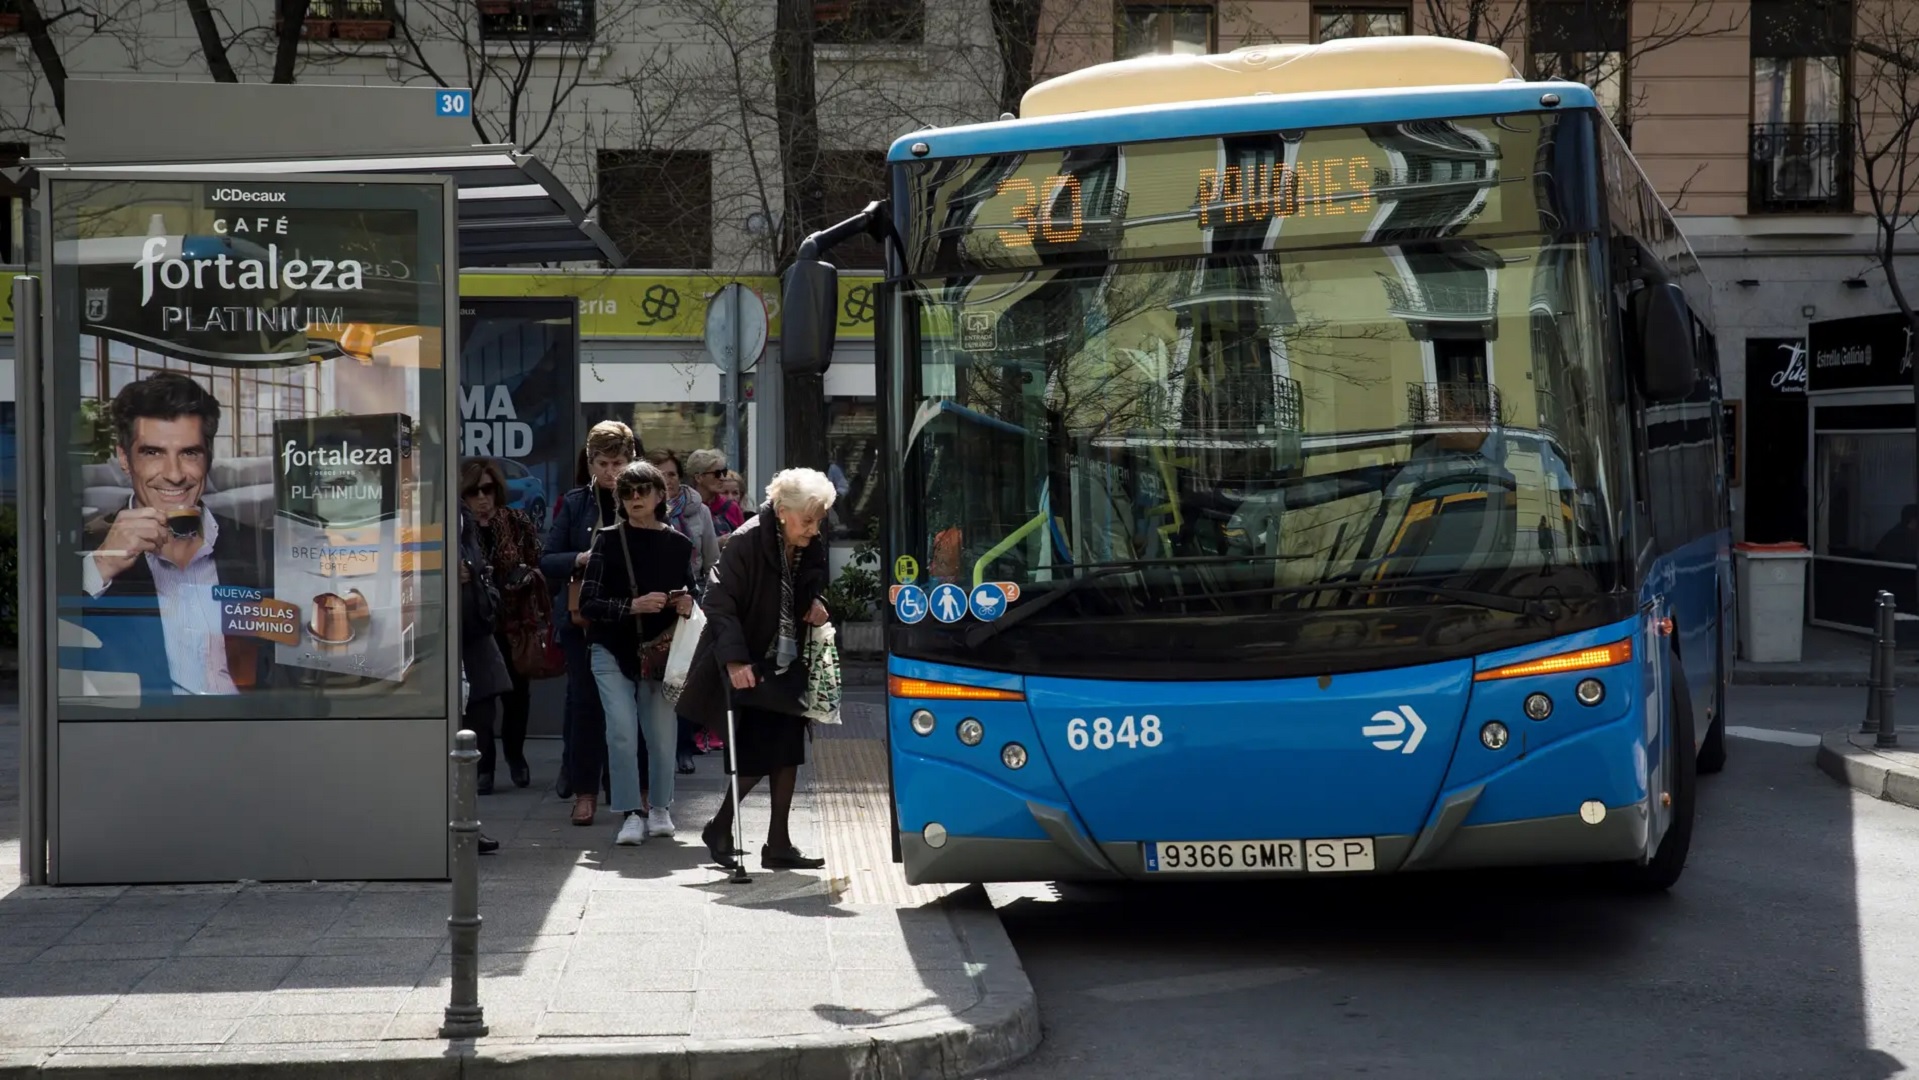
{"x":211,"y":43}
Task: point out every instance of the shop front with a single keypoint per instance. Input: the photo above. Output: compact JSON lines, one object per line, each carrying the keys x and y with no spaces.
{"x":1862,"y":503}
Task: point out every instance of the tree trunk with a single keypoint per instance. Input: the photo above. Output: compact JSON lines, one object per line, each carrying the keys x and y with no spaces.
{"x":40,"y":36}
{"x":208,"y":31}
{"x":803,"y":200}
{"x":1016,"y":30}
{"x":286,"y":46}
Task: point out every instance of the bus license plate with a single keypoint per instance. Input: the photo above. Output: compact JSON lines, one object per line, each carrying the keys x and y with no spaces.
{"x":1260,"y":856}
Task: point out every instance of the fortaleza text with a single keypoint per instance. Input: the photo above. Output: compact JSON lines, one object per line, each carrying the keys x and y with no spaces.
{"x":292,"y":456}
{"x":252,"y":275}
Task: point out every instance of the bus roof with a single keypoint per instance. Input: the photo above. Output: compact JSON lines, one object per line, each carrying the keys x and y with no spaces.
{"x":1353,"y":81}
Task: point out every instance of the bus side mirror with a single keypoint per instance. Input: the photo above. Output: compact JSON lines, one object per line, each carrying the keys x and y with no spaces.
{"x":1668,"y":368}
{"x":809,"y":304}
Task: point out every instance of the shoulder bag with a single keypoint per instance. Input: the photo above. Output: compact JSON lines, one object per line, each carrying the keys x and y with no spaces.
{"x":653,"y":653}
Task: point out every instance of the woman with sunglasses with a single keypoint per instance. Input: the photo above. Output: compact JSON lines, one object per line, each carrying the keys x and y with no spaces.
{"x":510,"y":545}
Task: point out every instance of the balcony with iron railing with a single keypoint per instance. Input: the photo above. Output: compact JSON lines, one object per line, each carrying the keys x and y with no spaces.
{"x":1800,"y":169}
{"x":347,"y":20}
{"x":1467,"y":404}
{"x":1434,"y":301}
{"x":536,"y":20}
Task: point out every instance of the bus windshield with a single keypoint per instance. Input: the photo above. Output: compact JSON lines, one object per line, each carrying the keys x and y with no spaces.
{"x":1264,"y":436}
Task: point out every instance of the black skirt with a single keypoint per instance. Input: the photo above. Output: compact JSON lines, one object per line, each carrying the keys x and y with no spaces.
{"x":766,"y":742}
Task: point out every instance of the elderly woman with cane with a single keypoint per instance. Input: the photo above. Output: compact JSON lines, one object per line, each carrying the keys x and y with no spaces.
{"x":763,"y":596}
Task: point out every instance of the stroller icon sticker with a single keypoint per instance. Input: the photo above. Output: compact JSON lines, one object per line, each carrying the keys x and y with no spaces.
{"x":988,"y":601}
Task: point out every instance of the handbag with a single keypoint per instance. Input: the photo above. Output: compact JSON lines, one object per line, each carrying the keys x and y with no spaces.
{"x":776,"y":692}
{"x":536,"y":652}
{"x":679,"y":659}
{"x":822,"y":697}
{"x":653,"y":653}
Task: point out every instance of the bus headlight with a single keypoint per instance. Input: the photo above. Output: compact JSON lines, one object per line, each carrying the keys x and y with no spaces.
{"x":923,"y":722}
{"x":1538,"y":706}
{"x":1013,"y":756}
{"x":971,"y":731}
{"x":1494,"y":735}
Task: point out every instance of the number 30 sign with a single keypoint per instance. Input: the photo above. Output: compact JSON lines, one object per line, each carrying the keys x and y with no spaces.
{"x":453,"y":103}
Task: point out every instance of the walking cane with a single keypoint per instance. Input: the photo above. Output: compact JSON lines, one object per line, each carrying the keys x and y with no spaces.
{"x":738,"y":838}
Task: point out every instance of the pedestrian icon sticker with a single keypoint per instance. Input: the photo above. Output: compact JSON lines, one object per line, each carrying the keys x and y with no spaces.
{"x":988,"y":601}
{"x":909,"y":603}
{"x":949,"y":603}
{"x":906,"y":570}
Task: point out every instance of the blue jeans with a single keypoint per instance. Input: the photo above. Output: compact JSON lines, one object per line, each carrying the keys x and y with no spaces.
{"x":630,"y":710}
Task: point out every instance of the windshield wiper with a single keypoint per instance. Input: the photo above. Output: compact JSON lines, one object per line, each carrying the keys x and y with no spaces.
{"x":1545,"y":608}
{"x":983,"y":632}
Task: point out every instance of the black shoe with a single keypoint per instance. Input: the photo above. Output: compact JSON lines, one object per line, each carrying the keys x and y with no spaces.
{"x":561,"y":788}
{"x":522,"y":776}
{"x":719,"y":845}
{"x":789,"y":859}
{"x":488,"y":845}
{"x":686,"y":764}
{"x":485,"y":786}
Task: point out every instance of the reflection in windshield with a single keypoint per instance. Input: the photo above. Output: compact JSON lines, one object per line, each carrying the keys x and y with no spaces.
{"x":1238,"y":426}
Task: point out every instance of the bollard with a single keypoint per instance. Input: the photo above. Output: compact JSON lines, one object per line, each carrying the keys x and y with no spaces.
{"x":465,"y":1019}
{"x":1888,"y":677}
{"x":1871,"y":724}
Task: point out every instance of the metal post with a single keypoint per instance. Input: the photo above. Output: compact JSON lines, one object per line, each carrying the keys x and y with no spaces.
{"x":1888,"y":680}
{"x":1873,"y":682}
{"x":465,"y":1019}
{"x":30,"y":596}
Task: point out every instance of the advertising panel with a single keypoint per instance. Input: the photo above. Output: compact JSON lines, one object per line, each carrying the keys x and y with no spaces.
{"x":247,"y":409}
{"x":519,"y":385}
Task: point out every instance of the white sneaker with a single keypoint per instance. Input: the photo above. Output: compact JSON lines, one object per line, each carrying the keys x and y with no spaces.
{"x":659,"y":822}
{"x":632,"y":830}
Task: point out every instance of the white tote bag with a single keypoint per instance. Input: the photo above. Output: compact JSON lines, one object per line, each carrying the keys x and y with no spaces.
{"x":822,"y":697}
{"x":679,"y":658}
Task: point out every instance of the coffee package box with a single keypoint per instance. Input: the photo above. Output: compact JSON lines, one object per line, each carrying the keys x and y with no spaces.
{"x":345,"y":516}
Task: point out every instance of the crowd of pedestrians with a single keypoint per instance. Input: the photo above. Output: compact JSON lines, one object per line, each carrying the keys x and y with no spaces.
{"x":630,"y":553}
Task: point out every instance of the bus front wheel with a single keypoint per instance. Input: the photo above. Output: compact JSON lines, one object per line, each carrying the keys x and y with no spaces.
{"x":1662,"y":871}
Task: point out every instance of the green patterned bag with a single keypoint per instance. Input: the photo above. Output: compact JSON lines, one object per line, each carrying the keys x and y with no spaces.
{"x":822,"y":654}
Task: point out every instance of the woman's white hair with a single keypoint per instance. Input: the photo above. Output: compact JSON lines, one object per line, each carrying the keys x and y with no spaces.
{"x":805,"y":491}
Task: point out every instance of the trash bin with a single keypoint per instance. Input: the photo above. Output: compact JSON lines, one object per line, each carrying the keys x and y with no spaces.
{"x":1772,"y":601}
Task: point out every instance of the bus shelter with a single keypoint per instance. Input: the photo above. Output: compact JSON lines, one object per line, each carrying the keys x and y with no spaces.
{"x":240,"y":430}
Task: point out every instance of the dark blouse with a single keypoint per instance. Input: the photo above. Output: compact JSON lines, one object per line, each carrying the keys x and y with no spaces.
{"x":662,"y":562}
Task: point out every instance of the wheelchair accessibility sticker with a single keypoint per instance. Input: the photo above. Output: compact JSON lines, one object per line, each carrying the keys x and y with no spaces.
{"x":909,"y":603}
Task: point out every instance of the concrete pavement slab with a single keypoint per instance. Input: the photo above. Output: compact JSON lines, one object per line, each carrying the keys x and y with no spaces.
{"x":596,"y":960}
{"x":1852,"y":757}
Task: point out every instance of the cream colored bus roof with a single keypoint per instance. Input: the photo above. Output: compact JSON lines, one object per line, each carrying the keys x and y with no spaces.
{"x":1369,"y":63}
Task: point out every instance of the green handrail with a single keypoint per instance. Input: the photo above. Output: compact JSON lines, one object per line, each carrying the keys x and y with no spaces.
{"x":1006,"y":545}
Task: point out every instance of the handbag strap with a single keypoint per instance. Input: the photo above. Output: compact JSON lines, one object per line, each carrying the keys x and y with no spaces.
{"x":632,"y":578}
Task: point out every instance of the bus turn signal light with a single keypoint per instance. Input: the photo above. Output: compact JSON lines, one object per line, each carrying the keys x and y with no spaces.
{"x":900,"y":686}
{"x":1578,"y":660}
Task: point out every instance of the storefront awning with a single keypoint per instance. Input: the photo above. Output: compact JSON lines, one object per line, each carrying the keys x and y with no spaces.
{"x":513,"y":210}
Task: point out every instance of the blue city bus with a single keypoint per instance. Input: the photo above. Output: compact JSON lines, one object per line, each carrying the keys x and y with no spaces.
{"x":1304,"y":460}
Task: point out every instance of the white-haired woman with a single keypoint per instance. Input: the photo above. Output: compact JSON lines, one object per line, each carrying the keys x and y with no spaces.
{"x":764,"y":594}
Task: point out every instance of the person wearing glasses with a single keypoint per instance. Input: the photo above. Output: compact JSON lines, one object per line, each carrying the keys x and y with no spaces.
{"x":510,"y":545}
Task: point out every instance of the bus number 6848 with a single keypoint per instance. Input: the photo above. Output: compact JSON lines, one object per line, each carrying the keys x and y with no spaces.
{"x":1101,"y":734}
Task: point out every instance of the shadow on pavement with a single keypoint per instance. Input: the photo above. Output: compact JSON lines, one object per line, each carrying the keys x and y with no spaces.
{"x":1751,"y":966}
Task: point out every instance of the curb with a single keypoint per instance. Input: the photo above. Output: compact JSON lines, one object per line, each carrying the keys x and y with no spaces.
{"x":1750,"y":677}
{"x":1850,"y":758}
{"x":999,"y":1029}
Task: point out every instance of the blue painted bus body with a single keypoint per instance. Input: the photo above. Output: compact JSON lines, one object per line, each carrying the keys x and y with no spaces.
{"x":1291,"y":759}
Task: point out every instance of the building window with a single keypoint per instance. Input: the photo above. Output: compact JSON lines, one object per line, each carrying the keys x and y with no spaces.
{"x":869,"y":22}
{"x":853,"y":453}
{"x":251,"y":399}
{"x":1584,"y":41}
{"x":349,"y":20}
{"x":850,"y":179}
{"x":13,"y":208}
{"x":679,"y":426}
{"x":657,"y":206}
{"x":1145,"y":29}
{"x":1332,"y":22}
{"x":1801,"y":144}
{"x":524,"y":20}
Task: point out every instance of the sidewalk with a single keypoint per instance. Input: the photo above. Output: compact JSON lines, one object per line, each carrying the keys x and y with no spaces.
{"x":1827,"y":658}
{"x":596,"y":960}
{"x":1892,"y":774}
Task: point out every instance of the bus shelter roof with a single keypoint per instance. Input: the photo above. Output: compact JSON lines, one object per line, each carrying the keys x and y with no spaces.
{"x":513,"y":211}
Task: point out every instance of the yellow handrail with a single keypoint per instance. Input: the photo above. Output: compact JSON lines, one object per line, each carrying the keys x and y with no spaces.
{"x":1006,"y":545}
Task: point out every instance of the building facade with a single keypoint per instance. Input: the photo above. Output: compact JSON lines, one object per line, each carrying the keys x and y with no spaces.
{"x":1749,"y":116}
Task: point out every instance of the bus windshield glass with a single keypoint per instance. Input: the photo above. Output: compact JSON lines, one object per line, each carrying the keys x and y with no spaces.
{"x":1234,"y":423}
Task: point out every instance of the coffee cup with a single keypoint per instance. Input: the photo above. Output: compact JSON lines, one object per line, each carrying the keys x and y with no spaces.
{"x":329,"y":622}
{"x":184,"y":522}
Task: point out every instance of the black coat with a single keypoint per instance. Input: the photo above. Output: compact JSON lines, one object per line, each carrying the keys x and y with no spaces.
{"x":742,"y":606}
{"x":486,"y":671}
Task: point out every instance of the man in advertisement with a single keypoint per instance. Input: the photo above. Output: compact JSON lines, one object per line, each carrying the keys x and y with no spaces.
{"x":166,"y":545}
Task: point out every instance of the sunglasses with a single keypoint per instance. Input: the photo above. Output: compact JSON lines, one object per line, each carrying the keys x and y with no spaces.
{"x":483,"y":489}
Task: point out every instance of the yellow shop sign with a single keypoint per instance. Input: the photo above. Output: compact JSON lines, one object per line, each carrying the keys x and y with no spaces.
{"x":616,"y":305}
